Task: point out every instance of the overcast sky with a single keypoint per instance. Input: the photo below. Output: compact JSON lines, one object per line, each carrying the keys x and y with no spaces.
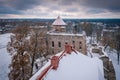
{"x":64,"y":8}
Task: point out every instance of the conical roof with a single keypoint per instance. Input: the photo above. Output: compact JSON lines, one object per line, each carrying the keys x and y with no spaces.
{"x":59,"y":22}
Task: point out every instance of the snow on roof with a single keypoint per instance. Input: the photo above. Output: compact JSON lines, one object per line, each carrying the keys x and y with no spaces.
{"x":107,"y":30}
{"x":38,"y":26}
{"x":75,"y":67}
{"x":66,"y":34}
{"x":35,"y":76}
{"x":58,"y":22}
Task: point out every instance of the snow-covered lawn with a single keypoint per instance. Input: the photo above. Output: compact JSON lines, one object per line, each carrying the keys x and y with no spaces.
{"x":4,"y":56}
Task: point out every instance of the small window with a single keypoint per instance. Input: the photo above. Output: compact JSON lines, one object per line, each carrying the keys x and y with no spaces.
{"x":53,"y":52}
{"x":80,"y":47}
{"x":59,"y":44}
{"x":80,"y":42}
{"x":52,"y":43}
{"x":66,"y":43}
{"x":73,"y":41}
{"x":73,"y":46}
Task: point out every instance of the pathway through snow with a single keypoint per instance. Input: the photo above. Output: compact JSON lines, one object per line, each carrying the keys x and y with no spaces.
{"x":4,"y":56}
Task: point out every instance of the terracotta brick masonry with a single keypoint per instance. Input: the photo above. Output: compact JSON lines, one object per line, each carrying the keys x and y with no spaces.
{"x":55,"y":61}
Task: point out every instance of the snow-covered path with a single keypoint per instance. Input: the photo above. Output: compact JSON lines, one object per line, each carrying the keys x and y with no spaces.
{"x":4,"y":56}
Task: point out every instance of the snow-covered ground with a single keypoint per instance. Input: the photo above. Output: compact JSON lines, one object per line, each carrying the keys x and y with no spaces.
{"x":4,"y":56}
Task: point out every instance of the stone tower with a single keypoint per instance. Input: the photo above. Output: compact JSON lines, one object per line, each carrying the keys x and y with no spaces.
{"x":59,"y":25}
{"x":58,"y":37}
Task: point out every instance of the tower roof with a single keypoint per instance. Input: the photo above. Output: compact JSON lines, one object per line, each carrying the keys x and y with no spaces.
{"x":59,"y":22}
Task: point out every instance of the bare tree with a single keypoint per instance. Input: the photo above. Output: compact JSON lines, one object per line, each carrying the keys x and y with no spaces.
{"x":37,"y":46}
{"x":118,"y":47}
{"x":25,"y":47}
{"x":20,"y":65}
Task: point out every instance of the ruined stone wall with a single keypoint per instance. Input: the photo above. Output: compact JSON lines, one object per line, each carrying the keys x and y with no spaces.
{"x":78,"y":43}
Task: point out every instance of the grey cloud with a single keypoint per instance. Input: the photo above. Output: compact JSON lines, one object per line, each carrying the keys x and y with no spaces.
{"x":111,"y":5}
{"x":17,"y":6}
{"x":72,"y":10}
{"x":6,"y":10}
{"x":95,"y":11}
{"x":54,"y":7}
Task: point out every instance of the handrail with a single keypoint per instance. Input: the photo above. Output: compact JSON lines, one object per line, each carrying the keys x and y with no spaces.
{"x":44,"y":72}
{"x":55,"y":61}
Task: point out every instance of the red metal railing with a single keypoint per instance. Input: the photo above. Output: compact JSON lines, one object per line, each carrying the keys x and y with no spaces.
{"x":55,"y":61}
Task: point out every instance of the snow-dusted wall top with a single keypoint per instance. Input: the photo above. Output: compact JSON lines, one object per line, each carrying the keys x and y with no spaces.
{"x":66,"y":34}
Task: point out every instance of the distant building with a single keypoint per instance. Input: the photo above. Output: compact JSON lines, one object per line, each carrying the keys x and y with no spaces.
{"x":59,"y":36}
{"x":109,"y":36}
